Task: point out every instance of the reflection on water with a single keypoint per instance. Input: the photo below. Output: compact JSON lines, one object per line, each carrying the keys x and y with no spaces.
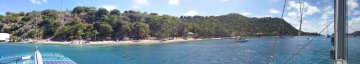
{"x":224,"y":51}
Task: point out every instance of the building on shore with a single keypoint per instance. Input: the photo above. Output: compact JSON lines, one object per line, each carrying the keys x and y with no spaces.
{"x":4,"y":37}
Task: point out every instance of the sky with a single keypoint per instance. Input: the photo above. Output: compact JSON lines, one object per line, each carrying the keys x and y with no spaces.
{"x":316,"y":13}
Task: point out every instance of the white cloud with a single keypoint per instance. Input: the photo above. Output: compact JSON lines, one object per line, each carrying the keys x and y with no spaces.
{"x":355,"y":24}
{"x":138,"y":4}
{"x":225,"y":0}
{"x":174,"y":2}
{"x":273,"y":11}
{"x":191,"y":13}
{"x":352,"y":5}
{"x":109,"y":7}
{"x":307,"y":26}
{"x":327,"y":12}
{"x":274,"y":0}
{"x":45,"y":0}
{"x":38,"y":2}
{"x":310,"y":10}
{"x":246,"y":13}
{"x":307,"y":9}
{"x":259,"y":16}
{"x":293,"y":16}
{"x":35,"y":1}
{"x":141,"y":2}
{"x":326,"y":19}
{"x":137,"y":8}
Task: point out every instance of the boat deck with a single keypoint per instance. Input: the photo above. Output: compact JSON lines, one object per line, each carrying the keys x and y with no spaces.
{"x":9,"y":60}
{"x":48,"y":58}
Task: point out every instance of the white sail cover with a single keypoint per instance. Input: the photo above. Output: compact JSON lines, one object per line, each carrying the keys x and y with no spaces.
{"x":38,"y":57}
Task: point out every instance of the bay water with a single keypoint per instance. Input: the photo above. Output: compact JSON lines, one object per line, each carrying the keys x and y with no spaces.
{"x":222,"y":51}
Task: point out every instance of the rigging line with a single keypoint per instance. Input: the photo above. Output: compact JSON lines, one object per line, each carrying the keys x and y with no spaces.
{"x":328,"y":43}
{"x":355,"y":27}
{"x":278,"y":33}
{"x":351,"y":27}
{"x":292,"y":56}
{"x":283,"y":10}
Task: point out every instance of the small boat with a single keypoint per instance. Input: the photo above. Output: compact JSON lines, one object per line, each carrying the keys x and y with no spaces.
{"x":240,"y":39}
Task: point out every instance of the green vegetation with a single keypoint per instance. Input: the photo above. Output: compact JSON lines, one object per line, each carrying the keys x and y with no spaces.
{"x":14,"y":39}
{"x":87,"y":23}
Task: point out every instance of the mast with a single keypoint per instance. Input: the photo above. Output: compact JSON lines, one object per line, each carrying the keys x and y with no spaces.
{"x":340,"y":43}
{"x":301,"y":4}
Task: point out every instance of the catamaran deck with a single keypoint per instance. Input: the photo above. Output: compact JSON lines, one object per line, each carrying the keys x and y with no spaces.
{"x":49,"y":58}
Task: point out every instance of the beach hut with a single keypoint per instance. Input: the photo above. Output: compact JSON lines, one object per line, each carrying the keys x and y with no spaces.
{"x":4,"y":37}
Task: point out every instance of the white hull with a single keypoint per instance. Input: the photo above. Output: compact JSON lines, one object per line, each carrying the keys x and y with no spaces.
{"x":38,"y":57}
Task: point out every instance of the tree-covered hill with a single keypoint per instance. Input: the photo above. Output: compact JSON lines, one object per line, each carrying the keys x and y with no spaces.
{"x":89,"y":23}
{"x":356,"y":33}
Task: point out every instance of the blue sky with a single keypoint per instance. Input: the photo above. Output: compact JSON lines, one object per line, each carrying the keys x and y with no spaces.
{"x":317,"y":13}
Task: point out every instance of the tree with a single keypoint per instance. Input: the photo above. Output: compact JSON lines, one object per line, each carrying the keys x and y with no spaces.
{"x":82,"y":9}
{"x":78,"y":10}
{"x":115,"y":12}
{"x":36,"y":34}
{"x":125,"y":29}
{"x":14,"y":39}
{"x":1,"y":27}
{"x":51,"y":14}
{"x":80,"y":29}
{"x":76,"y":30}
{"x":65,"y":33}
{"x":141,"y":30}
{"x":10,"y":18}
{"x":1,"y":16}
{"x":94,"y":33}
{"x":101,"y":14}
{"x":50,"y":27}
{"x":183,"y":29}
{"x":105,"y":30}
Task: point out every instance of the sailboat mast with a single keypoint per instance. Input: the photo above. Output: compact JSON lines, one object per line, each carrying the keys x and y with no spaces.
{"x":341,"y":51}
{"x":301,"y":4}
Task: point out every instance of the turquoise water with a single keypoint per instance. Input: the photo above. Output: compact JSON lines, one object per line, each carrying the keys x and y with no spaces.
{"x":223,"y":51}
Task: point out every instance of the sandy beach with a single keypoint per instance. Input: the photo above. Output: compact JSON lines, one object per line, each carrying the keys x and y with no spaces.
{"x":83,"y":42}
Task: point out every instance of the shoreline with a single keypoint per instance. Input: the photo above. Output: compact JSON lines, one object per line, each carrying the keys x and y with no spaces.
{"x":131,"y":42}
